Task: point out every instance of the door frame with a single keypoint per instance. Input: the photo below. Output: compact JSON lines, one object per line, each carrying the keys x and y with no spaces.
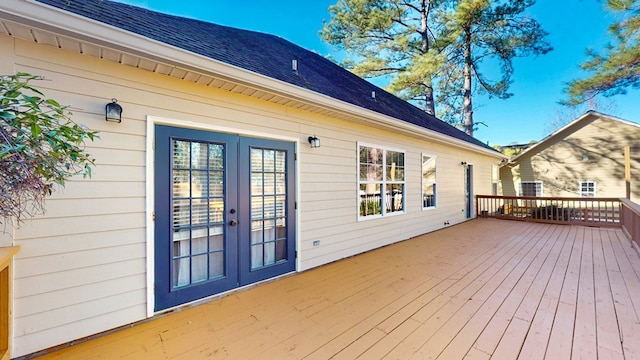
{"x":468,"y":184}
{"x":152,"y":121}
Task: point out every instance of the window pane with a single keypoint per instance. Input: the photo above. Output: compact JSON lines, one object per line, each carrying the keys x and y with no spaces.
{"x":257,"y":259}
{"x":281,"y":250}
{"x":269,"y":160}
{"x":281,"y":160}
{"x":394,"y":198}
{"x":370,"y":164}
{"x":199,"y":155}
{"x":281,"y":184}
{"x":256,"y":208}
{"x":181,"y":183}
{"x":530,"y":188}
{"x":200,"y":212}
{"x":256,"y":184}
{"x":180,"y":154}
{"x":216,"y":238}
{"x":395,"y":166}
{"x":216,"y":182}
{"x":216,"y":157}
{"x":370,"y":200}
{"x":216,"y":210}
{"x":216,"y":264}
{"x":199,"y":183}
{"x":256,"y":160}
{"x":281,"y":205}
{"x":199,"y":243}
{"x":199,"y":271}
{"x":588,"y":189}
{"x":256,"y":232}
{"x":181,"y":272}
{"x":269,"y":183}
{"x":181,"y":213}
{"x":428,"y":181}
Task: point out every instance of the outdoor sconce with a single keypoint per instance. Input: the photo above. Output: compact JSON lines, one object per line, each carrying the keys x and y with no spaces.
{"x":113,"y":111}
{"x":314,"y":142}
{"x":463,"y":163}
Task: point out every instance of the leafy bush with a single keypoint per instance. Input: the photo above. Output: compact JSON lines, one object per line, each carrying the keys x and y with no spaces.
{"x":40,"y":146}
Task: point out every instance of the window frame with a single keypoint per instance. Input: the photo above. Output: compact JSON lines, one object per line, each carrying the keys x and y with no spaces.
{"x":382,"y":183}
{"x":495,"y":179}
{"x":532,"y":182}
{"x":433,"y":159}
{"x":595,"y":188}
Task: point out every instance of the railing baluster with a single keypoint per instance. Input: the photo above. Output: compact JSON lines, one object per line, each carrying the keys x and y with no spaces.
{"x":586,"y":211}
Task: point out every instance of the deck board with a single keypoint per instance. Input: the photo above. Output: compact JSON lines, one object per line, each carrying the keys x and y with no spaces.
{"x":485,"y":289}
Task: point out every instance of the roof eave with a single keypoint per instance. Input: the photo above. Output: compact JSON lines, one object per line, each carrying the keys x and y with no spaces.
{"x":66,"y":23}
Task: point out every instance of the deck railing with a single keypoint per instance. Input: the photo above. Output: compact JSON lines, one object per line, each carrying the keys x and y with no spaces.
{"x":577,"y":211}
{"x":630,"y":219}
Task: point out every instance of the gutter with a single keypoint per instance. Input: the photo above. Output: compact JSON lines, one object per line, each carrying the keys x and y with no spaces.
{"x":68,"y":24}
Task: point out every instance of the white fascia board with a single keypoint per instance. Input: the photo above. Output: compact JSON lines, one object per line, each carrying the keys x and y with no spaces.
{"x":66,"y":23}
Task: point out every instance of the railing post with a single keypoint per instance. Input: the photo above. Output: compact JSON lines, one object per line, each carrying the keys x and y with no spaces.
{"x":6,"y":279}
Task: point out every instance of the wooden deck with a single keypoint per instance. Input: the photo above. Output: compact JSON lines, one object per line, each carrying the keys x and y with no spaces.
{"x":484,"y":289}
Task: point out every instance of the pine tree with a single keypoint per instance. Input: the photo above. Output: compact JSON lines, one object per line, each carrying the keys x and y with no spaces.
{"x":619,"y":67}
{"x":395,"y":38}
{"x":433,"y":51}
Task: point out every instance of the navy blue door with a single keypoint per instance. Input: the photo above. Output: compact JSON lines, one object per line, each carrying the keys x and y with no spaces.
{"x":224,"y":213}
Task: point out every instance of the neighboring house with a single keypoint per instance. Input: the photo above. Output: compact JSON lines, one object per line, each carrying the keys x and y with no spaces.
{"x":586,"y":158}
{"x":209,"y":182}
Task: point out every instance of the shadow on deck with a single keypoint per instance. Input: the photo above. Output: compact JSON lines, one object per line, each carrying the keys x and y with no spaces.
{"x":483,"y":289}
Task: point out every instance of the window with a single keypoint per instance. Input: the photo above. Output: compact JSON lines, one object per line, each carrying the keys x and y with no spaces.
{"x":381,"y":183}
{"x":587,"y":189}
{"x":428,"y":182}
{"x":495,"y":179}
{"x":531,"y":188}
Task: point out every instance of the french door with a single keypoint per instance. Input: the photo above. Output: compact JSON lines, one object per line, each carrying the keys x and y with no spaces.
{"x":224,"y":212}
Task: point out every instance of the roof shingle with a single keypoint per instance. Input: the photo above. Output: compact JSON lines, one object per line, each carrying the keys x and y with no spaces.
{"x":261,"y":53}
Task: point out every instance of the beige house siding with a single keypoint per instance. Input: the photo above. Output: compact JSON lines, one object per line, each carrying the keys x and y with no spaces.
{"x":592,"y":149}
{"x":83,"y":267}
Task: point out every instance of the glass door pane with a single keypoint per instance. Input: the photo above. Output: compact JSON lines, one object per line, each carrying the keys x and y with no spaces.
{"x":198,"y":175}
{"x":268,"y":204}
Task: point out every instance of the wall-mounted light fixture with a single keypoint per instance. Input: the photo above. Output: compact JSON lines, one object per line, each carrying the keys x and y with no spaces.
{"x":463,"y":163}
{"x":113,"y":111}
{"x":314,"y":142}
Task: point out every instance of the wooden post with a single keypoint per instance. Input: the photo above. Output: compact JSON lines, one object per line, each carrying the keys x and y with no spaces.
{"x":6,"y":256}
{"x":627,"y":170}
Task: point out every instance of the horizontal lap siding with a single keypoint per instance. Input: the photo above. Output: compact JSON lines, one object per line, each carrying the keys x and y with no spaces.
{"x":591,"y":151}
{"x":82,"y":267}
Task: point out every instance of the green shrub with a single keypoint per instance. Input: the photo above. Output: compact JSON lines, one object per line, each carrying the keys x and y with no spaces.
{"x":40,"y":146}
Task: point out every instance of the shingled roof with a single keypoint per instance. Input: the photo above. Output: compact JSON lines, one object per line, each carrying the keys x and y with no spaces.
{"x":261,"y":53}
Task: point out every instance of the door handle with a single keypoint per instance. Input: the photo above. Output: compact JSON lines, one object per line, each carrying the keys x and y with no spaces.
{"x":233,"y":222}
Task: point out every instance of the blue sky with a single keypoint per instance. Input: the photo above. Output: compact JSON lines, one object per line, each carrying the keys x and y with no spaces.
{"x":538,"y":83}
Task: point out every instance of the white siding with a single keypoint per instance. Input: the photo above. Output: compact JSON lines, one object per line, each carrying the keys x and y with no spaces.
{"x":82,"y":267}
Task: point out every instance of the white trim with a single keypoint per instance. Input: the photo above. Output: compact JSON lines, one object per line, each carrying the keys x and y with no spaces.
{"x":531,"y":182}
{"x":150,"y":205}
{"x":595,"y":188}
{"x":61,"y":22}
{"x":383,"y":182}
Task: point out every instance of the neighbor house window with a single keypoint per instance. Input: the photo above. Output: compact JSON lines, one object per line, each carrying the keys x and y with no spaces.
{"x":428,"y":182}
{"x":381,"y":183}
{"x":587,"y":189}
{"x":531,"y":188}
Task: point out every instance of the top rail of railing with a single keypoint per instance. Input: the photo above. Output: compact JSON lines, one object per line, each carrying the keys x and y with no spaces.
{"x":563,"y":210}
